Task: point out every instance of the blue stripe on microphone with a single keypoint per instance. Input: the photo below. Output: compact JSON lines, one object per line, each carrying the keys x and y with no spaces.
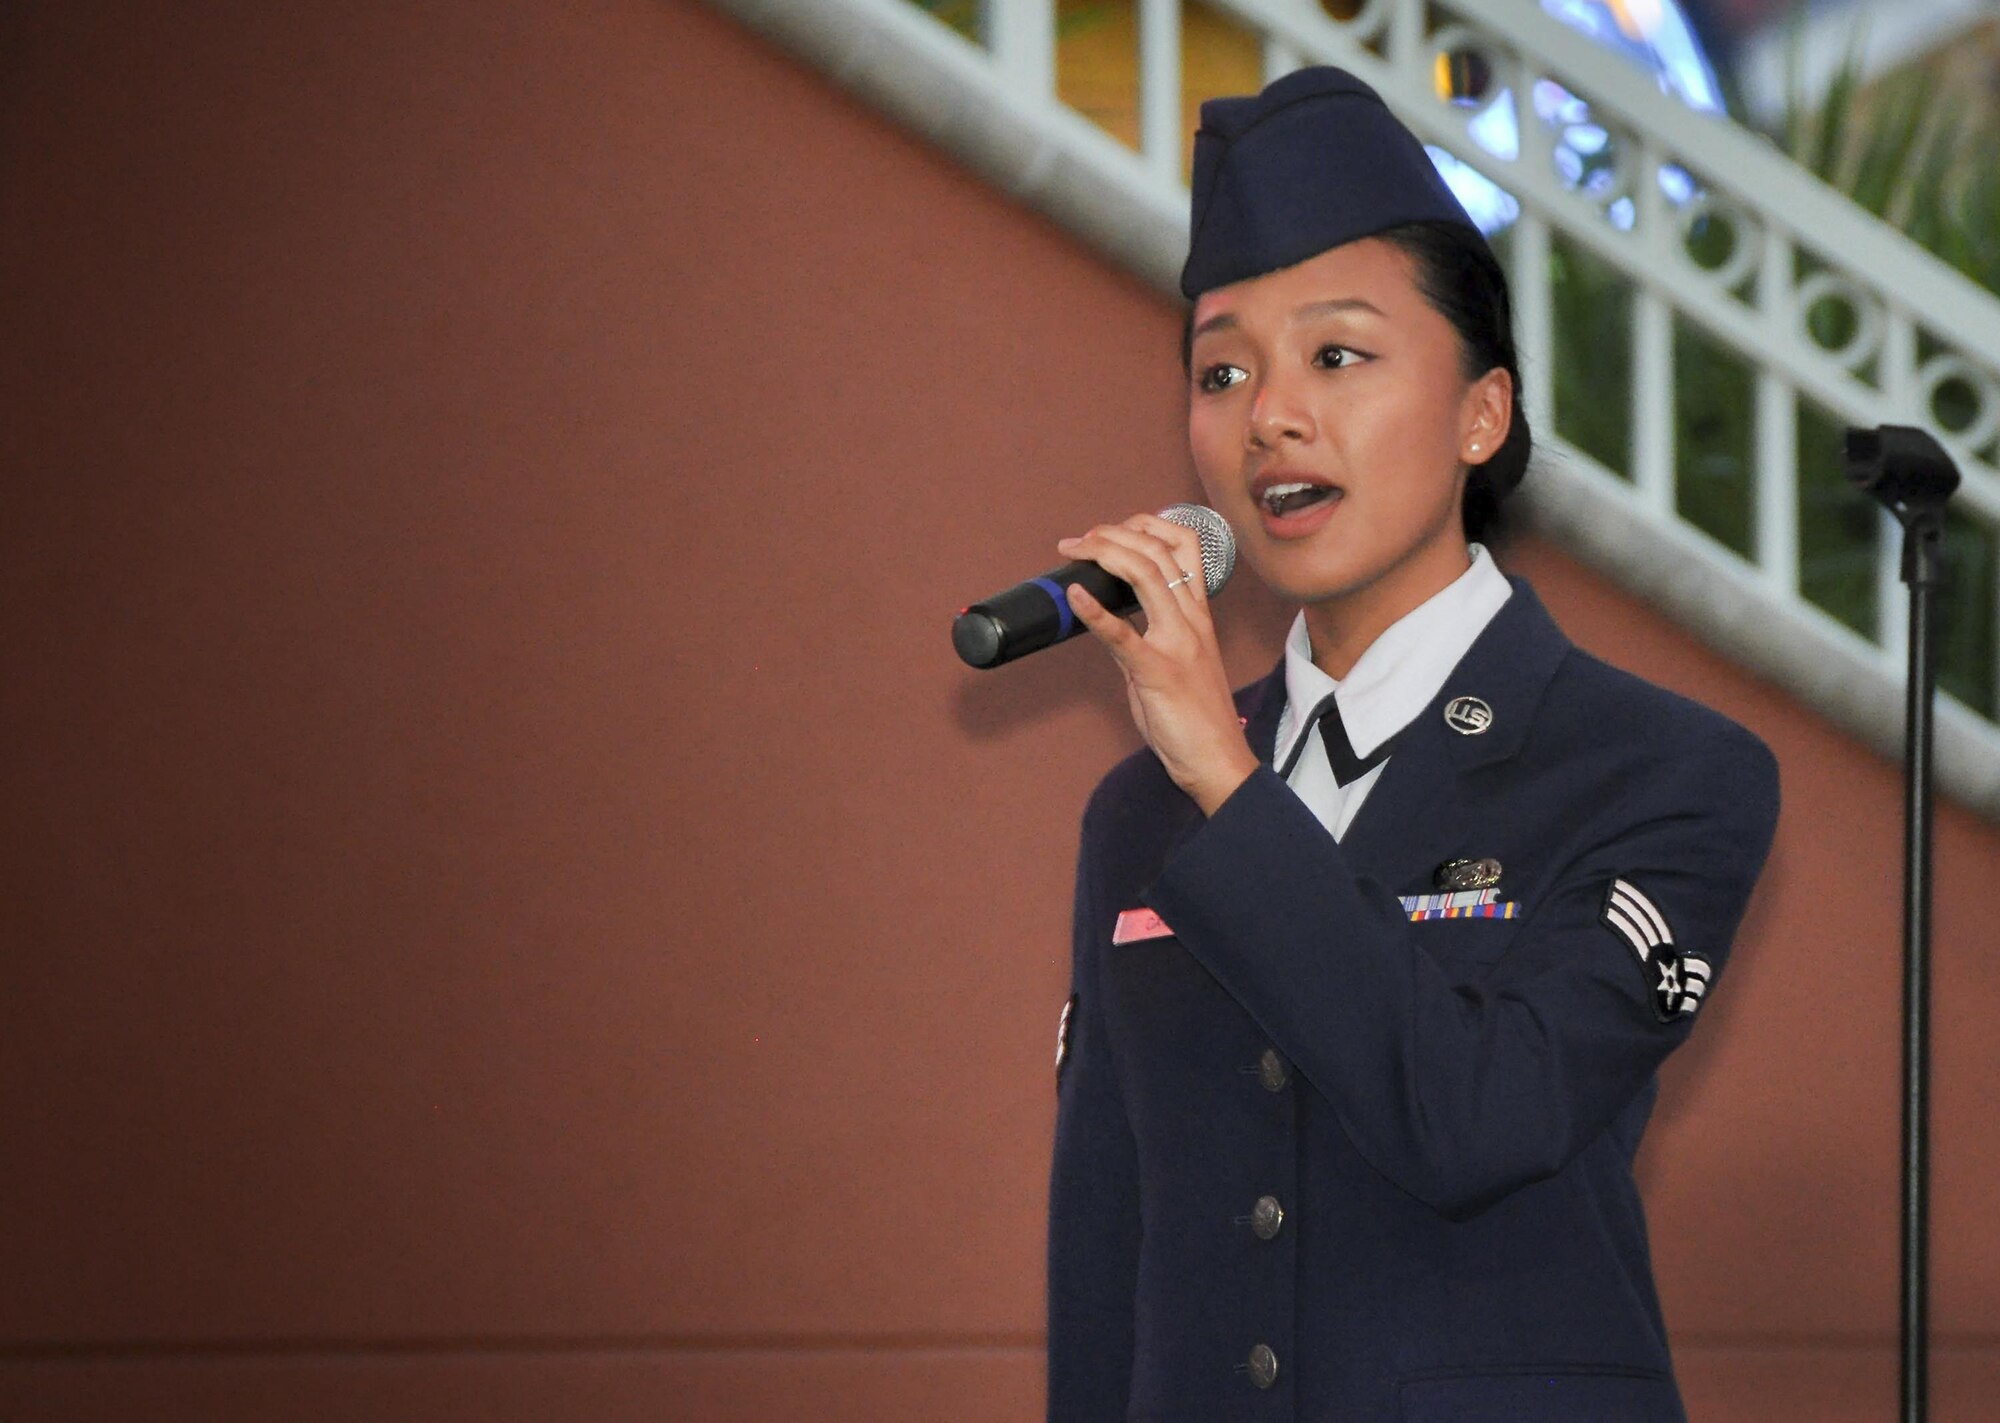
{"x":1054,"y":590}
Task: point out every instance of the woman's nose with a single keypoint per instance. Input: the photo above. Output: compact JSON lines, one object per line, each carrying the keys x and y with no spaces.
{"x":1278,"y":414}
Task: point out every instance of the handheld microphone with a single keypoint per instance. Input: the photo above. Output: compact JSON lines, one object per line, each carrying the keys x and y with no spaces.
{"x":1033,"y":615}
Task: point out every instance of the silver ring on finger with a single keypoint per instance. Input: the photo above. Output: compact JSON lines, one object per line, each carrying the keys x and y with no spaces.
{"x":1186,"y":577}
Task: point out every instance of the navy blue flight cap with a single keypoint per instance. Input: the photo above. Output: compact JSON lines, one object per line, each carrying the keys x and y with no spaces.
{"x":1314,"y":161}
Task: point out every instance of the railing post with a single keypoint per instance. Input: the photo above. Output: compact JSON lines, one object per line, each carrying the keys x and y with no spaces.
{"x":1280,"y":58}
{"x":1534,"y":318}
{"x":1652,"y":346}
{"x":1160,"y":86}
{"x":1777,"y":428}
{"x":1892,"y":628}
{"x":1021,"y":34}
{"x":1406,"y":36}
{"x":1653,"y":400}
{"x":1996,"y":651}
{"x":1899,"y":369}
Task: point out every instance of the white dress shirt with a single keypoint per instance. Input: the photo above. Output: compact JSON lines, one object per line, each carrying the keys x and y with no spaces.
{"x":1392,"y":682}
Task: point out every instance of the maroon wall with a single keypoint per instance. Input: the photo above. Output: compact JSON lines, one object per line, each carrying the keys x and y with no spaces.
{"x":512,"y":909}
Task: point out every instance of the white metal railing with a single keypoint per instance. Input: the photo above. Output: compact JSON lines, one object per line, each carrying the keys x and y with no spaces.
{"x":1796,"y":243}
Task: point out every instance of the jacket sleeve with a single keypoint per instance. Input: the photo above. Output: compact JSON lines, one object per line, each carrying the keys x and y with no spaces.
{"x":1093,"y":1196}
{"x":1463,"y":1093}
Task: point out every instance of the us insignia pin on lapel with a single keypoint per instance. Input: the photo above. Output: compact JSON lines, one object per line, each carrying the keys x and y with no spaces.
{"x":1468,"y":716}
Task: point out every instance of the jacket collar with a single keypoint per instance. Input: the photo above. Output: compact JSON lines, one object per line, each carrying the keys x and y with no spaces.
{"x":1508,"y":667}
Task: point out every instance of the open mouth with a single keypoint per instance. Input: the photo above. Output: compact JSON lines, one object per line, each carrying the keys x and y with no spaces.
{"x":1294,"y":496}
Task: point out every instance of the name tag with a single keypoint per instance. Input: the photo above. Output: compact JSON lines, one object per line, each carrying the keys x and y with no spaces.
{"x":1137,"y":925}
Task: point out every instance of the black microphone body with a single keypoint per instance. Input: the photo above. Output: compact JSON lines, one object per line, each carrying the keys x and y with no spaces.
{"x":1033,"y":615}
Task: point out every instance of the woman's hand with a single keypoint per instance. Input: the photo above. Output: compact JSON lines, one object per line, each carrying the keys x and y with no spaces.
{"x":1174,"y":677}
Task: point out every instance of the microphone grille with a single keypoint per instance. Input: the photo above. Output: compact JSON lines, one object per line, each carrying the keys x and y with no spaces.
{"x":1218,"y":541}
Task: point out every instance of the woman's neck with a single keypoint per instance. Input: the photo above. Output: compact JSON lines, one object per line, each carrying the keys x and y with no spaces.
{"x":1346,"y":625}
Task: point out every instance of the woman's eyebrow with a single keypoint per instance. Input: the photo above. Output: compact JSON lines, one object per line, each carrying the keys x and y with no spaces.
{"x":1219,"y":322}
{"x":1335,"y":306}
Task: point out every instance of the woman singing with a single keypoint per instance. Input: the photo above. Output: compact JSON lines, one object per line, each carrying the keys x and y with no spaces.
{"x":1376,"y":959}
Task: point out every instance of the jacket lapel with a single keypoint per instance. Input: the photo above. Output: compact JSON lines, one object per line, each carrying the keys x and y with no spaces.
{"x":1261,"y":704}
{"x":1413,"y":817}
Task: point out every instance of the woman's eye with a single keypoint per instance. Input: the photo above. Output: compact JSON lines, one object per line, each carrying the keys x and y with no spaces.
{"x":1220,"y":377}
{"x":1337,"y":357}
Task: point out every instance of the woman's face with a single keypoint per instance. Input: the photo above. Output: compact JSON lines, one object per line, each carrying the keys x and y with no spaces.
{"x":1332,"y":426}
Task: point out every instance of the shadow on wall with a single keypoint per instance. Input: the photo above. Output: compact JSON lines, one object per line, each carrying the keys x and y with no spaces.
{"x":1003,"y":701}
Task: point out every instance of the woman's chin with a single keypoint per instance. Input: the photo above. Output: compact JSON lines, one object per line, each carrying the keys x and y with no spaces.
{"x":1297,"y":577}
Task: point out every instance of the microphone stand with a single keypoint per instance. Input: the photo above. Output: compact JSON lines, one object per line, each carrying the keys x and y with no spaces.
{"x":1908,"y":471}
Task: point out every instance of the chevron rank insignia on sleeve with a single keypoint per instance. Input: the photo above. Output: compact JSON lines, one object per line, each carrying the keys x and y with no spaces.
{"x":1677,"y":978}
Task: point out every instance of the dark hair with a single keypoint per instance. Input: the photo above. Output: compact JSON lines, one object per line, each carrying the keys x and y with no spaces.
{"x":1459,"y":277}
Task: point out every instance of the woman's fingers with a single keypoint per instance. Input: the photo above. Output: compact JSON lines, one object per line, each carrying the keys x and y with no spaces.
{"x":1117,"y":634}
{"x":1186,"y":546}
{"x":1167,"y":588}
{"x":1136,"y":558}
{"x":1174,"y":677}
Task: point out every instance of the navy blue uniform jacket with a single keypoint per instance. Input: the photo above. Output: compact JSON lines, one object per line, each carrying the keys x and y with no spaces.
{"x":1445,"y":1111}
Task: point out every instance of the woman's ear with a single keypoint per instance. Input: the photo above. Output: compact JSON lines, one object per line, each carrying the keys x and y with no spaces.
{"x":1486,"y":416}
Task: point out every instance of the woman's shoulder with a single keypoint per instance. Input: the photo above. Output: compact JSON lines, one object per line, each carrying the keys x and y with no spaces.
{"x":1587,"y":701}
{"x":1593,"y":706}
{"x":1588,"y":686}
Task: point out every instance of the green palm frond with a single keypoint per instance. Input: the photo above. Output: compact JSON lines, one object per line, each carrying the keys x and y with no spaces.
{"x":1916,"y":158}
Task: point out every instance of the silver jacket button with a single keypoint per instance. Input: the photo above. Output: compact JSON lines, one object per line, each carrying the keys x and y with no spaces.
{"x":1272,"y":1071}
{"x":1266,"y":1216}
{"x":1263,"y":1366}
